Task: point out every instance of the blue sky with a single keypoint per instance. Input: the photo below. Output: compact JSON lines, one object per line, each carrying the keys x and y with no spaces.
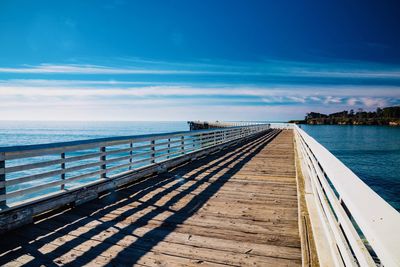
{"x":183,"y":60}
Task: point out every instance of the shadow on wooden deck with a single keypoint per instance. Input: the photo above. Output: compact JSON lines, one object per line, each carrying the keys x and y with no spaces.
{"x":34,"y":245}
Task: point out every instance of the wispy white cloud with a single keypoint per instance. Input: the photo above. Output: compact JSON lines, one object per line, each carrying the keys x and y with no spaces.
{"x":352,"y":101}
{"x":70,"y":92}
{"x":298,"y":99}
{"x":315,"y":98}
{"x":348,"y":74}
{"x":73,"y":83}
{"x":105,"y":70}
{"x":337,"y":70}
{"x":114,"y":88}
{"x":374,"y":101}
{"x":156,"y":113}
{"x":332,"y":100}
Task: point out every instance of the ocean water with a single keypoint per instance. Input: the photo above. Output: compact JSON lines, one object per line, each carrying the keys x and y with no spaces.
{"x":27,"y":132}
{"x":371,"y":152}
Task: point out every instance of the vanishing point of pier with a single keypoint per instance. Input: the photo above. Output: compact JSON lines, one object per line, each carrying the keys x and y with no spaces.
{"x":236,"y":195}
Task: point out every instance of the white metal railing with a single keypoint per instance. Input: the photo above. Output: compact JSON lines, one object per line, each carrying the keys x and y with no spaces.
{"x":282,"y":125}
{"x":30,"y":172}
{"x":361,"y":228}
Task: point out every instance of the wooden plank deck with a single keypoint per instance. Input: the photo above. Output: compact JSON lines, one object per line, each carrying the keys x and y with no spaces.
{"x":236,"y":207}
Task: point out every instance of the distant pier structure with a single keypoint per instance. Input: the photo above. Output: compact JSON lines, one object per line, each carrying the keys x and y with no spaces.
{"x":222,"y":194}
{"x":206,"y":125}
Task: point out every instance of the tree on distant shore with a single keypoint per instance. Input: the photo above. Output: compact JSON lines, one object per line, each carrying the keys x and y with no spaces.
{"x":382,"y":116}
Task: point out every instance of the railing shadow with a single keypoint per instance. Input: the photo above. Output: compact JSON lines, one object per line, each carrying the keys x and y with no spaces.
{"x":29,"y":239}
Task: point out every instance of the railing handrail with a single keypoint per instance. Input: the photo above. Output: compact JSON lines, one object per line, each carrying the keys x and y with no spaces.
{"x":96,"y":141}
{"x":378,"y":221}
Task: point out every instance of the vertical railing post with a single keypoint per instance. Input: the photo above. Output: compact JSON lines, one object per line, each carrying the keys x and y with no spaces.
{"x":153,"y":149}
{"x":2,"y":179}
{"x":130,"y":155}
{"x":183,"y":144}
{"x":214,"y":138}
{"x":169,"y":146}
{"x":63,"y":168}
{"x":103,"y":159}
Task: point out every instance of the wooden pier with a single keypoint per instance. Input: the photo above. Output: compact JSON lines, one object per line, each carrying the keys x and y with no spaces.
{"x":236,"y":207}
{"x":254,"y":195}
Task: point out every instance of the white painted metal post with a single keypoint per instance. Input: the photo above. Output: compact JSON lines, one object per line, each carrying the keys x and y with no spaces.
{"x":214,"y":138}
{"x":131,"y":156}
{"x":169,"y":146}
{"x":2,"y":179}
{"x":63,"y":168}
{"x":103,"y":159}
{"x":183,"y":144}
{"x":153,"y":149}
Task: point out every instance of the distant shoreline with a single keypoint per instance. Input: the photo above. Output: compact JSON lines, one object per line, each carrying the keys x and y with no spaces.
{"x":389,"y":116}
{"x":302,"y":122}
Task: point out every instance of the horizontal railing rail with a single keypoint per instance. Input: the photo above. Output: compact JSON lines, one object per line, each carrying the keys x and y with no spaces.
{"x":34,"y":171}
{"x":362,"y":229}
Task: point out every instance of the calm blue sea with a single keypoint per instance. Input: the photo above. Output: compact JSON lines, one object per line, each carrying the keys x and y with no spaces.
{"x":28,"y":132}
{"x":372,"y":152}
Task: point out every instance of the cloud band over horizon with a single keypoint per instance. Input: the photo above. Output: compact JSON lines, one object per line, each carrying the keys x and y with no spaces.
{"x":98,"y":92}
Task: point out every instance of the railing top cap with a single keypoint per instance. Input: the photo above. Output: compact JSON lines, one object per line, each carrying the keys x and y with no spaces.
{"x":116,"y":138}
